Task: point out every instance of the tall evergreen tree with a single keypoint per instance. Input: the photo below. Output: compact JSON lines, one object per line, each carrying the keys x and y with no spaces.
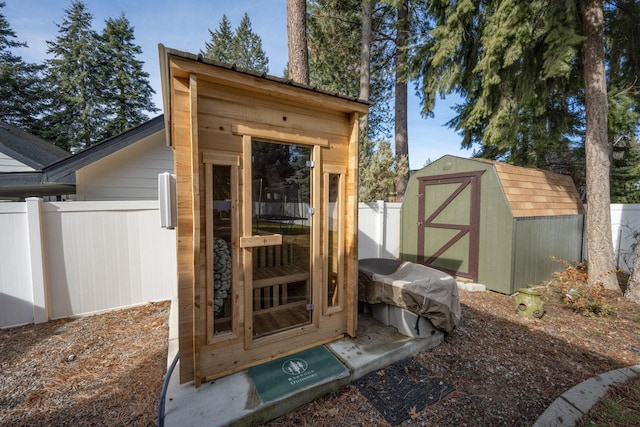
{"x":247,"y":47}
{"x":531,"y":75}
{"x":622,"y":34}
{"x":75,"y":115}
{"x":242,"y":47}
{"x":519,"y":68}
{"x":335,"y":55}
{"x":127,"y":93}
{"x":401,"y":66}
{"x":600,"y":244}
{"x":516,"y":67}
{"x":337,"y":33}
{"x":297,"y":41}
{"x":351,"y":53}
{"x":20,"y":87}
{"x":625,"y":170}
{"x":222,"y":39}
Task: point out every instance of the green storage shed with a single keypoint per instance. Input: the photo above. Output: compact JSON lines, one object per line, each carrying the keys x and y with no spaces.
{"x":490,"y":222}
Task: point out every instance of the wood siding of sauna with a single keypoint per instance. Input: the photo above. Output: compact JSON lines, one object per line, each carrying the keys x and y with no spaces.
{"x":209,"y":105}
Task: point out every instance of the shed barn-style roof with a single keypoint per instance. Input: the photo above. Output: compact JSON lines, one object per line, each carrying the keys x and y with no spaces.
{"x":535,"y":192}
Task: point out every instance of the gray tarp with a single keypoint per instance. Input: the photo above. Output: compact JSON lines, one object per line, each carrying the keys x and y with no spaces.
{"x":421,"y":290}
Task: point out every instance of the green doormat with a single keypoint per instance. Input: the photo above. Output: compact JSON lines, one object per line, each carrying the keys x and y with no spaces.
{"x":290,"y":373}
{"x":402,"y":389}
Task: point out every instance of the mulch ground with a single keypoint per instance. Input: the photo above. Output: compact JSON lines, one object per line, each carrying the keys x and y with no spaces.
{"x":505,"y":369}
{"x":98,"y":370}
{"x":108,"y":369}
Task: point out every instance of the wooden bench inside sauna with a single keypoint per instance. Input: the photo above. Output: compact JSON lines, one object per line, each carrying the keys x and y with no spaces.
{"x":278,"y":276}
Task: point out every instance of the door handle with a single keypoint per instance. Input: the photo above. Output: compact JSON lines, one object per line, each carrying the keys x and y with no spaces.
{"x":257,"y":241}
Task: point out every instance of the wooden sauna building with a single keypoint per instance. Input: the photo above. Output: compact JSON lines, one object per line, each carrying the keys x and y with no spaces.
{"x":266,"y":174}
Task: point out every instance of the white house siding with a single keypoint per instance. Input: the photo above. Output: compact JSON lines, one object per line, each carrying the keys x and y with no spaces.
{"x":9,"y":164}
{"x":128,"y":174}
{"x":16,"y":299}
{"x":102,"y":255}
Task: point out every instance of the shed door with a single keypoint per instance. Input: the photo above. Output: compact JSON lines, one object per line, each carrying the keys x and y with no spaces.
{"x":448,"y":222}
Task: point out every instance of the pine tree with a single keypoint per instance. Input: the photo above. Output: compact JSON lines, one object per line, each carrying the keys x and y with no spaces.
{"x":379,"y":175}
{"x":401,"y":132}
{"x":623,"y":58}
{"x":242,"y":48}
{"x":219,"y":48}
{"x":247,"y":48}
{"x":127,"y":93}
{"x":20,"y":88}
{"x":516,"y":66}
{"x":337,"y":30}
{"x":600,"y":245}
{"x":298,"y":66}
{"x":75,"y":116}
{"x":625,"y":170}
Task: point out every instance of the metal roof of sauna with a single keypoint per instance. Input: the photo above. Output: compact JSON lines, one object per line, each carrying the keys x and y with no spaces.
{"x":164,"y":52}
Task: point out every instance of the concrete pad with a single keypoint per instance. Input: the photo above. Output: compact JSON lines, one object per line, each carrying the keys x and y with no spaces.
{"x":561,"y":413}
{"x":233,"y":400}
{"x":472,"y":287}
{"x":377,"y":346}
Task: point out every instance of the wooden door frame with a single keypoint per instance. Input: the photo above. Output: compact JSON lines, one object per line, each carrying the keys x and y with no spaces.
{"x":464,"y":179}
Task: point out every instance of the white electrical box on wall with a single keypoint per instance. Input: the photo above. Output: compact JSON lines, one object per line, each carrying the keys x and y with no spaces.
{"x":167,"y":200}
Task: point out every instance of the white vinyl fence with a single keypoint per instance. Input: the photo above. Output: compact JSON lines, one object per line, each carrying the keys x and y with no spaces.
{"x":379,"y":230}
{"x":625,"y":228}
{"x":60,"y":259}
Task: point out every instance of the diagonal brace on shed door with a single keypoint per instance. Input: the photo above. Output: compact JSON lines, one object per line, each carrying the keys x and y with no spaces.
{"x":470,"y":228}
{"x":429,"y":222}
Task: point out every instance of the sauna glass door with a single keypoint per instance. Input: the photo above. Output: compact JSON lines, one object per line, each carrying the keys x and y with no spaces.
{"x":281,"y":212}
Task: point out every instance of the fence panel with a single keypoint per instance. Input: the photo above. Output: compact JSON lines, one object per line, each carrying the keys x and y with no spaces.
{"x":625,"y":228}
{"x":16,"y":299}
{"x":379,"y":230}
{"x":102,"y":255}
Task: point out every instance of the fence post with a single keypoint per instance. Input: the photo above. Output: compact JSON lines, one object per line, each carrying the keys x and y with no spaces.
{"x":36,"y":258}
{"x":381,"y":227}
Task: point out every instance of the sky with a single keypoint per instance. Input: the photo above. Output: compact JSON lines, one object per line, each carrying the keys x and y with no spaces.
{"x":184,"y":25}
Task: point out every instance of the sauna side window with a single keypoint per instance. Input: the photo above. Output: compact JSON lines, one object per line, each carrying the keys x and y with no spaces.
{"x":221,"y":188}
{"x":333,"y":239}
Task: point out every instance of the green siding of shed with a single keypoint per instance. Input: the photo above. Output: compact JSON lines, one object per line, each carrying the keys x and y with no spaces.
{"x":496,"y":241}
{"x":539,"y":238}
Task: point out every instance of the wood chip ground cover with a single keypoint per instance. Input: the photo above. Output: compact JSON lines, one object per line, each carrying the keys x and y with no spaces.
{"x":108,"y":369}
{"x":99,"y":370}
{"x":505,"y":369}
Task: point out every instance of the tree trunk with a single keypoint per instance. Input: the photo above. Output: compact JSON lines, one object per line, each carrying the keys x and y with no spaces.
{"x":297,"y":41}
{"x":365,"y":62}
{"x":599,"y":242}
{"x":633,"y":287}
{"x":401,"y":132}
